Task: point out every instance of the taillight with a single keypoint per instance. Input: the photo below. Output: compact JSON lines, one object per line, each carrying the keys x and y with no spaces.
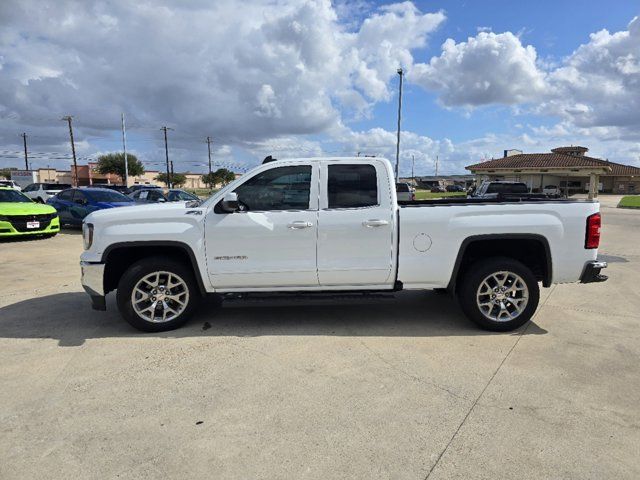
{"x":413,"y":197}
{"x":592,"y":239}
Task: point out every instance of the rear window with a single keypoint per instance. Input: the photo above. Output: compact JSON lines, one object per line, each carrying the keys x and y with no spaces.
{"x":352,"y":186}
{"x":107,"y":196}
{"x":402,"y":187}
{"x":55,"y":186}
{"x":508,"y":188}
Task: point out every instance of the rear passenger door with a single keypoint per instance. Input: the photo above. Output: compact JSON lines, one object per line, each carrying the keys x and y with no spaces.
{"x":356,"y":225}
{"x":63,"y":203}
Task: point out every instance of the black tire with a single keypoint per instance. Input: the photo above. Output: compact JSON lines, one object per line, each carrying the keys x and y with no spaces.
{"x":477,"y":273}
{"x":147,"y":266}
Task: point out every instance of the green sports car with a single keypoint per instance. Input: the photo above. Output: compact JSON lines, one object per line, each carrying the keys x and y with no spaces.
{"x":19,"y":216}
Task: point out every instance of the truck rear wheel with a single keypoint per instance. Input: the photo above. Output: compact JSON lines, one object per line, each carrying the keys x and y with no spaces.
{"x":499,"y":294}
{"x":157,"y":294}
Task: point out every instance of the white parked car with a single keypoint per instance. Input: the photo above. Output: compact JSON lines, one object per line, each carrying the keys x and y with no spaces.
{"x":41,"y":192}
{"x":405,"y":192}
{"x":330,"y":225}
{"x":551,"y":190}
{"x":10,"y":184}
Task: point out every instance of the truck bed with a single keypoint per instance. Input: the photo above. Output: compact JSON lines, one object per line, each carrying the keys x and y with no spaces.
{"x":500,"y":198}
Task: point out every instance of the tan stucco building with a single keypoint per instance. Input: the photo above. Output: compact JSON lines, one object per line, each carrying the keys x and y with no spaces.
{"x":565,"y":167}
{"x":88,"y":176}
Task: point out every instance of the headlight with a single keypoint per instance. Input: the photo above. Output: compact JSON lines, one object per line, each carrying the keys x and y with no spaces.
{"x":87,"y":235}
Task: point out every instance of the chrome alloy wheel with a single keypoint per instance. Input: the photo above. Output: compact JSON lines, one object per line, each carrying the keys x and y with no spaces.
{"x":502,"y":296}
{"x":160,"y":297}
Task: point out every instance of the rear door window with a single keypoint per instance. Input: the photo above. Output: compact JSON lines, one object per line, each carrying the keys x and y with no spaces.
{"x":352,"y":186}
{"x":66,"y":195}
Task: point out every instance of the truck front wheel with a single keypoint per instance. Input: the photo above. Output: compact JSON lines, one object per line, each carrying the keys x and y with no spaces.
{"x":499,"y":294}
{"x":157,"y":294}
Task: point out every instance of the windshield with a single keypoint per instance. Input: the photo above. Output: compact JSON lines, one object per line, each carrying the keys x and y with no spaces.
{"x":13,"y":196}
{"x":55,"y":186}
{"x":107,"y":196}
{"x":177,"y":195}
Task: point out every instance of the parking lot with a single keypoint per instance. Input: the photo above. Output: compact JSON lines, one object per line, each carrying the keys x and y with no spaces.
{"x":394,"y":386}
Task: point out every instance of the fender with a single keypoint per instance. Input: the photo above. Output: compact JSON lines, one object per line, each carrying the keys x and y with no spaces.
{"x":546,"y":281}
{"x":160,"y":243}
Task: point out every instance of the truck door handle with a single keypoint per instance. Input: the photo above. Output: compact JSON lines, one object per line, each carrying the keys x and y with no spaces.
{"x":299,"y":225}
{"x":375,"y":223}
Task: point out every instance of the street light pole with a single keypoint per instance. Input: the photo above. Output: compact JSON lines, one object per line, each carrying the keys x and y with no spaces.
{"x":400,"y":73}
{"x":413,"y":164}
{"x":124,"y":147}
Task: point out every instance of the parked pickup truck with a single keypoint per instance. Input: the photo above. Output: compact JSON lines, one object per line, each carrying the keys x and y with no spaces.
{"x":328,"y":225}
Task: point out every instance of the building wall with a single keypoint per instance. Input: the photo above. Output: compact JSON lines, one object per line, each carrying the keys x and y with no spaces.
{"x":576,"y":184}
{"x":88,"y":176}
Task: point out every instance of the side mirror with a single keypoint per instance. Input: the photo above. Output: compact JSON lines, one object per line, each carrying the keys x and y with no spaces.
{"x":230,"y":202}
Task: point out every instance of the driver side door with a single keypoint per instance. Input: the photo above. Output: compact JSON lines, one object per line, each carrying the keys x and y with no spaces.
{"x":271,"y":241}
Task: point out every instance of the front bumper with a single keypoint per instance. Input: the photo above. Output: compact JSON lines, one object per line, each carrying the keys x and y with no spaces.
{"x":93,"y":283}
{"x":17,"y":228}
{"x":592,"y":273}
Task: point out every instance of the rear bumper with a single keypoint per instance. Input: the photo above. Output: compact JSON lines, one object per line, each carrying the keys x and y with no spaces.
{"x":93,"y":283}
{"x":592,"y":273}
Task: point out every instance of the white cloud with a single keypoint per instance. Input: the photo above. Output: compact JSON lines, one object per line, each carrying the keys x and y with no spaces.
{"x":598,"y":85}
{"x":487,"y":68}
{"x":241,"y":74}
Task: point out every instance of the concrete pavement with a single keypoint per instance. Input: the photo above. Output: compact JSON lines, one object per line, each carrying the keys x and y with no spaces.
{"x":394,"y":387}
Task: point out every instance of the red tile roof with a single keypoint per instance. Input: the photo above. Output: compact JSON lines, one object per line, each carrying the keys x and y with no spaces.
{"x":553,"y":160}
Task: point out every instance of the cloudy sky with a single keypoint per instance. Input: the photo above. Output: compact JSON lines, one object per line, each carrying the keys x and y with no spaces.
{"x":306,"y":78}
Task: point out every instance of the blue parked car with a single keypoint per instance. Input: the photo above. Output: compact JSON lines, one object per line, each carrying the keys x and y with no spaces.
{"x":74,"y":204}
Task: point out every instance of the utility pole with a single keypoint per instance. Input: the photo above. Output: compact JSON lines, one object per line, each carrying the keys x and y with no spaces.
{"x":171,"y":163}
{"x":26,"y":158}
{"x":73,"y":148}
{"x":124,"y":148}
{"x":413,"y":164}
{"x":209,"y":148}
{"x":401,"y":73}
{"x":166,"y":154}
{"x":436,"y":165}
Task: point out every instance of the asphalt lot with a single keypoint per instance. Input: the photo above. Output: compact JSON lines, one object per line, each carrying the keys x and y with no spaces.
{"x":392,"y":387}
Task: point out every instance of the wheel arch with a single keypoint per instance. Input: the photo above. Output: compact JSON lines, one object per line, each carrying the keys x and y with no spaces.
{"x":531,"y":249}
{"x":117,"y":257}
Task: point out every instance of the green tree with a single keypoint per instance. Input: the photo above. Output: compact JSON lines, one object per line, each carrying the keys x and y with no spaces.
{"x":177,"y":179}
{"x":114,"y":163}
{"x":224,"y":176}
{"x":209,"y":179}
{"x":5,"y":173}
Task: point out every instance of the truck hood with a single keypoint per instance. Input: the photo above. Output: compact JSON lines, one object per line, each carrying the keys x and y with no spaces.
{"x":25,"y":208}
{"x":144,"y":213}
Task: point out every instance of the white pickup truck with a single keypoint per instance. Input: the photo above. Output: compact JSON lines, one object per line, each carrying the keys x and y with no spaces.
{"x":334,"y":224}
